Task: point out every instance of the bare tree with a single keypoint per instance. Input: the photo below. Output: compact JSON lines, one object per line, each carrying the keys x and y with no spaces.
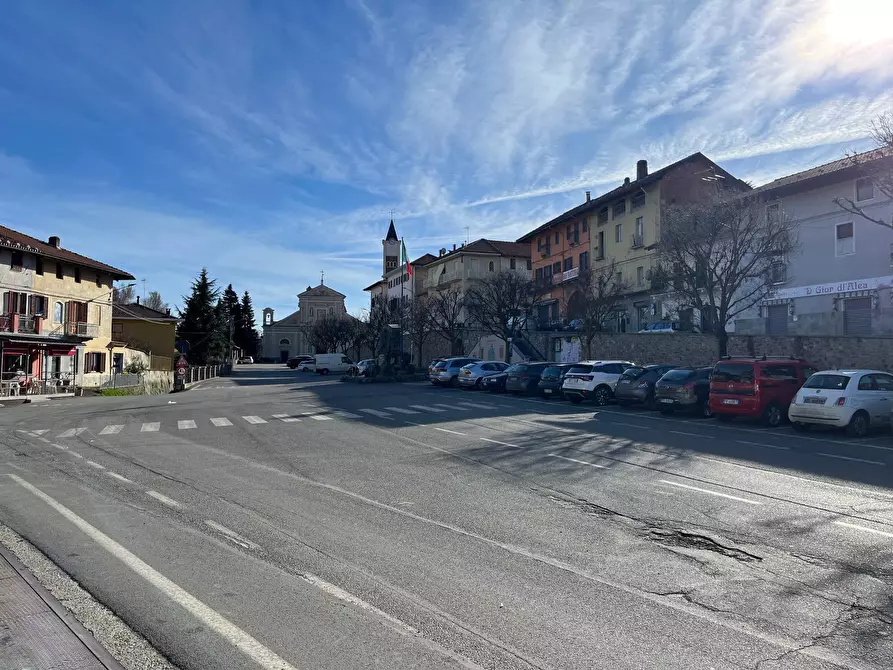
{"x":722,"y":257}
{"x":596,"y":296}
{"x":330,"y":334}
{"x":418,"y":324}
{"x":154,"y":301}
{"x":447,"y":308}
{"x":501,"y":303}
{"x":123,"y":295}
{"x":876,"y":166}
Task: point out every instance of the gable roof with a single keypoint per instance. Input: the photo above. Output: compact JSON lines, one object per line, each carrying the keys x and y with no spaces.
{"x":134,"y":310}
{"x":392,"y":232}
{"x":489,"y":247}
{"x":844,"y":166}
{"x":321,"y":289}
{"x":12,"y":239}
{"x":424,"y":260}
{"x":619,"y":192}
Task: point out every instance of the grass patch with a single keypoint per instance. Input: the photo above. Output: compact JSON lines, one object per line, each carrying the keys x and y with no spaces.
{"x":127,"y":391}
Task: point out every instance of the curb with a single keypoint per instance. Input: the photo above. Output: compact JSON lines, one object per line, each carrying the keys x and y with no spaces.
{"x":85,"y":636}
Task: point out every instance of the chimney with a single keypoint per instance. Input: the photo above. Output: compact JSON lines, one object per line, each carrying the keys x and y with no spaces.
{"x":442,"y":251}
{"x":454,"y":246}
{"x":641,"y":169}
{"x":168,"y":311}
{"x":137,"y":300}
{"x":55,"y":241}
{"x":588,"y":196}
{"x":626,"y":182}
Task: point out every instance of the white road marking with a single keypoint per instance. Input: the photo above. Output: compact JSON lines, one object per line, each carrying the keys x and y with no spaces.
{"x":864,"y":528}
{"x":874,"y":446}
{"x":682,"y":432}
{"x":253,"y":419}
{"x":456,"y":407}
{"x":318,"y":417}
{"x":287,"y":418}
{"x":59,"y":446}
{"x":71,"y":432}
{"x":504,"y":444}
{"x":120,"y":478}
{"x":375,"y":412}
{"x":249,"y":646}
{"x":401,"y":410}
{"x":849,"y":458}
{"x":341,"y":594}
{"x":574,"y":460}
{"x":111,"y":430}
{"x":75,"y":454}
{"x":760,"y":444}
{"x":232,"y":535}
{"x":346,"y":415}
{"x":40,"y":432}
{"x":426,"y":408}
{"x":475,"y":405}
{"x":451,"y":432}
{"x":221,"y":421}
{"x":708,"y":491}
{"x":160,"y":497}
{"x":186,"y":424}
{"x":94,"y":464}
{"x":150,"y":427}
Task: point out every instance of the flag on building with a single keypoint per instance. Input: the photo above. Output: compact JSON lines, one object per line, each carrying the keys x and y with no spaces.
{"x":405,"y":257}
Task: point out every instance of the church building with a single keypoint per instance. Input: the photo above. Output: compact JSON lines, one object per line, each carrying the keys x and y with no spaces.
{"x":287,"y":337}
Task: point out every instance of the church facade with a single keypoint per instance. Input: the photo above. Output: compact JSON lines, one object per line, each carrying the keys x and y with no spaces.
{"x":287,"y":337}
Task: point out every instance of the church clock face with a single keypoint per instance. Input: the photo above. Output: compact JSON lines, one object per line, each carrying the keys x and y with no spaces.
{"x":268,"y":319}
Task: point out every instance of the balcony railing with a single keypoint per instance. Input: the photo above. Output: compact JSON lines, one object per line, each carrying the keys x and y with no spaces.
{"x":567,"y":275}
{"x":636,"y":242}
{"x":82,"y":329}
{"x":27,"y":324}
{"x":5,"y":323}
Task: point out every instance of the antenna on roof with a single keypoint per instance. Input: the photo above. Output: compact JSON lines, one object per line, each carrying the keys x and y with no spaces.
{"x":466,"y":234}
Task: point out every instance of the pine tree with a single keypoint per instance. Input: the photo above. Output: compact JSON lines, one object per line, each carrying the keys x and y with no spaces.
{"x":247,"y":337}
{"x":232,"y":315}
{"x":199,"y":325}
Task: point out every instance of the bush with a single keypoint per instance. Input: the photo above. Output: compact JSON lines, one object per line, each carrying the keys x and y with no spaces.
{"x":136,"y":367}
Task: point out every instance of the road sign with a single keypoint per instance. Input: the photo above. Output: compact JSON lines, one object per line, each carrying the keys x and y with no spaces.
{"x":181,"y":371}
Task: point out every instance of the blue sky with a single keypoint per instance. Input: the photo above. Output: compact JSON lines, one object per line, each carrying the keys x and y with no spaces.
{"x":270,"y":140}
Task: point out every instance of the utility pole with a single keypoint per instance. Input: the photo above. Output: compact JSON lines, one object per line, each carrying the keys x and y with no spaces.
{"x":144,"y":291}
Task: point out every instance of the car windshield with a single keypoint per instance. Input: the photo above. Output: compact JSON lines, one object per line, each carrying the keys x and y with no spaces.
{"x":632,"y":373}
{"x":741,"y":373}
{"x":552,"y":372}
{"x":440,"y":364}
{"x":580,"y":370}
{"x":827,"y":381}
{"x":677,"y":375}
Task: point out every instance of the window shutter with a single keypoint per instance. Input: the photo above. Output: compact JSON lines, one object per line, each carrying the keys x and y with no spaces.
{"x":32,"y":304}
{"x":101,"y":363}
{"x":71,"y":311}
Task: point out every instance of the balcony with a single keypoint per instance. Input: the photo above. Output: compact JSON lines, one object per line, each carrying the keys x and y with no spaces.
{"x":447,"y":277}
{"x":82,"y":329}
{"x":20,"y":323}
{"x":27,"y":324}
{"x":567,"y":275}
{"x":637,"y":242}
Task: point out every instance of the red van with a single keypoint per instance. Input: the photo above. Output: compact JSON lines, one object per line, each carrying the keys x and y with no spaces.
{"x":759,"y":388}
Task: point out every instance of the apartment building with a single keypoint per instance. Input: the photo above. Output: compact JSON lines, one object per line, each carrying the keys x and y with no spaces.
{"x":56,"y":324}
{"x":840,"y":280}
{"x":466,"y":263}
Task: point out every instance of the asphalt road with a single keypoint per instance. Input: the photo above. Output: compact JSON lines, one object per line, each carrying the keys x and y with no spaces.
{"x":276,"y":519}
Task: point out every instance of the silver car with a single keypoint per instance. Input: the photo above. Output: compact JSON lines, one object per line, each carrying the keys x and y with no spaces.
{"x":470,"y":375}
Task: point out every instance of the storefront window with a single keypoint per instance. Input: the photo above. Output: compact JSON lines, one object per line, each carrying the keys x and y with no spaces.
{"x":16,"y":365}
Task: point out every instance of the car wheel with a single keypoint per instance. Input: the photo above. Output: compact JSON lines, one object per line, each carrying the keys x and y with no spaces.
{"x":800,"y":427}
{"x":726,"y":418}
{"x":601,"y":396}
{"x":576,"y":399}
{"x":477,"y":385}
{"x":773,"y":415}
{"x":706,"y":412}
{"x":859,"y":425}
{"x":454,"y":382}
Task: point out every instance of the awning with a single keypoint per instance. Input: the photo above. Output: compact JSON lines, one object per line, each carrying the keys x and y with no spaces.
{"x":61,"y":351}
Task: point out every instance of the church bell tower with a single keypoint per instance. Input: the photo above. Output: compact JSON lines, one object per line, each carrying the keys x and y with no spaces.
{"x":390,"y":246}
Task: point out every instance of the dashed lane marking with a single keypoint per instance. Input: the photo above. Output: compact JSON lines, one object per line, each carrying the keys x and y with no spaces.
{"x":375,"y":412}
{"x":170,"y":502}
{"x":120,"y":478}
{"x":111,"y":430}
{"x":849,"y":458}
{"x":150,"y":427}
{"x":186,"y":424}
{"x":232,"y":535}
{"x":401,"y":410}
{"x":451,"y":432}
{"x":864,"y":528}
{"x":709,"y":492}
{"x":287,"y":418}
{"x":71,"y":432}
{"x":253,"y":419}
{"x":346,"y":415}
{"x":766,"y":446}
{"x":94,"y":464}
{"x":426,"y":408}
{"x":576,"y":460}
{"x":221,"y":421}
{"x":503,"y":444}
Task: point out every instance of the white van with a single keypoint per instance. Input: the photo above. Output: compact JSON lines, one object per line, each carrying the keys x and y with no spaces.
{"x":337,"y":363}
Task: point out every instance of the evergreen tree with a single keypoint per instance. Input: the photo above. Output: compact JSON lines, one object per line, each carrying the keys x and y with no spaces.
{"x":200,"y":324}
{"x":232,"y":316}
{"x":246,"y":329}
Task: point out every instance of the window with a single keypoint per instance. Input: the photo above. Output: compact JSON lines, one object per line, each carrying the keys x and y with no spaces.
{"x":584,"y":260}
{"x":17,"y":260}
{"x":845,"y":239}
{"x":778,"y":272}
{"x":94,"y":361}
{"x":58,"y":312}
{"x":866,"y":383}
{"x":98,"y":280}
{"x":603,"y":215}
{"x":600,"y":249}
{"x":556,"y":267}
{"x":310,"y":311}
{"x":59,"y":274}
{"x":772,"y":212}
{"x":618,"y":233}
{"x":636,"y":202}
{"x":491,"y":267}
{"x":864,"y":190}
{"x":780,"y":372}
{"x":568,"y":263}
{"x":619,"y":208}
{"x":529,"y":264}
{"x":539,"y":244}
{"x":38,"y":265}
{"x":117,"y":329}
{"x":511,"y":264}
{"x":539,"y":274}
{"x":585,"y":225}
{"x":557,"y":237}
{"x":38,"y":305}
{"x":618,"y":278}
{"x":331,"y":311}
{"x":883,"y":382}
{"x":640,"y":228}
{"x":284,"y":342}
{"x":77,"y":275}
{"x":640,"y":276}
{"x":547,"y":272}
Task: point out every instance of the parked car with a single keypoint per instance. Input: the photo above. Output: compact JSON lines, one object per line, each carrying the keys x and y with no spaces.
{"x":328,"y":363}
{"x":552,"y":379}
{"x":433,"y":363}
{"x":360,"y":368}
{"x":857,"y":400}
{"x":524,"y":377}
{"x":446,"y":373}
{"x":246,"y":359}
{"x":495,"y":383}
{"x":471,"y":375}
{"x":686,"y":389}
{"x":593,"y":379}
{"x":636,"y":384}
{"x":296,"y":361}
{"x":759,"y":388}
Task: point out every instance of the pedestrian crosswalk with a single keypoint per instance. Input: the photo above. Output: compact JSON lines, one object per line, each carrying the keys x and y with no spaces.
{"x":395,"y":415}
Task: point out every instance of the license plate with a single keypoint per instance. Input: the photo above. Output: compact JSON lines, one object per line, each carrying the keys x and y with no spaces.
{"x":547,"y":390}
{"x":817,"y":401}
{"x":669,"y":401}
{"x":729,"y":401}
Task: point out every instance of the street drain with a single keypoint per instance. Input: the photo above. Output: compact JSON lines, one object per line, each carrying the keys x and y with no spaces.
{"x":679,"y":538}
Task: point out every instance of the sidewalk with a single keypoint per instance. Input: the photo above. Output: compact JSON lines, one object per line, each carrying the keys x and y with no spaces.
{"x":36,"y":631}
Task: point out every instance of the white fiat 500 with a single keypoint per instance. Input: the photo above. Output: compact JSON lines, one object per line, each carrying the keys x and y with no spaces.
{"x":857,"y":400}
